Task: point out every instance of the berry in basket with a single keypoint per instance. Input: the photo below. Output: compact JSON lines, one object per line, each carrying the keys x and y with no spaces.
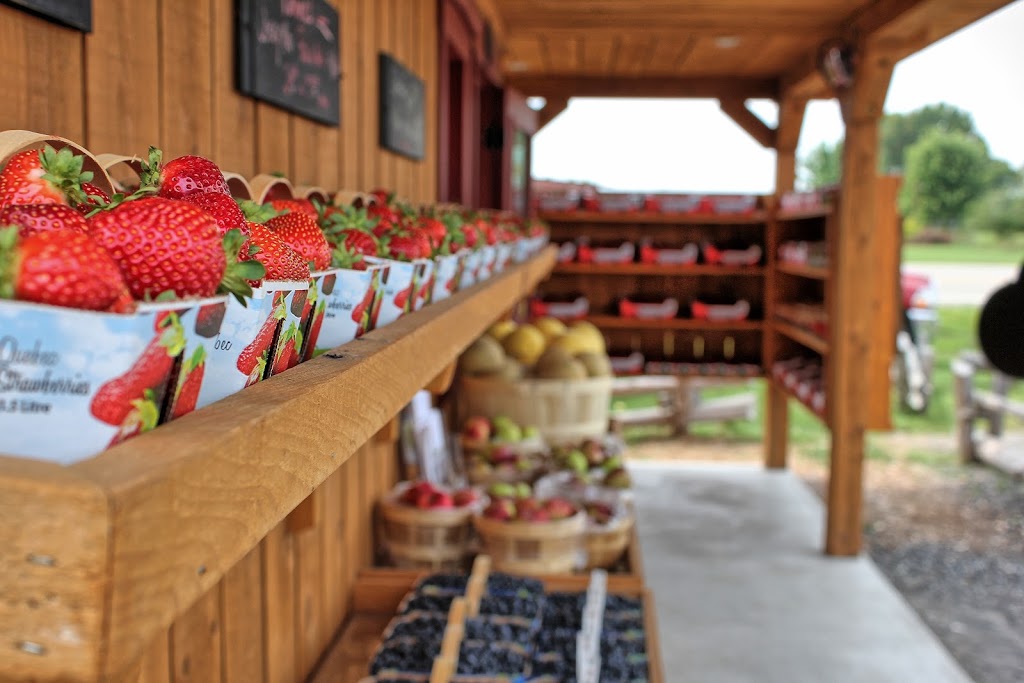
{"x":481,"y":658}
{"x":499,"y":629}
{"x":407,"y":655}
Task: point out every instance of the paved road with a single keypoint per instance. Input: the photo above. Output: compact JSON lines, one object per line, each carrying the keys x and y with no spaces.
{"x":965,"y":284}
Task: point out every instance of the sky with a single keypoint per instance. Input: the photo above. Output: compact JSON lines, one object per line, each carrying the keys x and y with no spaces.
{"x":690,"y":146}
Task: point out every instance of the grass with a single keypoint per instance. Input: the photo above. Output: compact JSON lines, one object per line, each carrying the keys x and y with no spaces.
{"x":978,"y":249}
{"x":955,"y":332}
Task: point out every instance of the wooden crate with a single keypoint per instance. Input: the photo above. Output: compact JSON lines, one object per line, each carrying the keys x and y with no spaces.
{"x":378,"y":594}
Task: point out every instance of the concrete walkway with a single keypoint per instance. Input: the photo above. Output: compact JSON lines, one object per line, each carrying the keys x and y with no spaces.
{"x":744,"y":594}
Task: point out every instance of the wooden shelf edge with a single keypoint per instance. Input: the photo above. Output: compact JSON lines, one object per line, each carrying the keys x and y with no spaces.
{"x":812,"y":272}
{"x":754,"y":218}
{"x":803,"y":214}
{"x":182,"y":504}
{"x":618,"y":323}
{"x":804,"y":337}
{"x":697,"y":270}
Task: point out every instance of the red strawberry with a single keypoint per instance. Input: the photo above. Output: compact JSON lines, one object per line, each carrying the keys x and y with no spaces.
{"x":435,"y":232}
{"x":280,"y":260}
{"x":303,"y":235}
{"x":254,"y":356}
{"x":191,"y":382}
{"x":33,"y":218}
{"x":287,"y":351}
{"x":60,"y":268}
{"x":182,"y":176}
{"x":404,"y":246}
{"x":295,"y":206}
{"x":95,"y":199}
{"x":402,"y":298}
{"x":289,"y":356}
{"x":386,"y":218}
{"x":223,"y":208}
{"x":362,"y":309}
{"x":163,"y":245}
{"x":314,"y":332}
{"x":45,"y":176}
{"x":116,"y":399}
{"x":355,"y":245}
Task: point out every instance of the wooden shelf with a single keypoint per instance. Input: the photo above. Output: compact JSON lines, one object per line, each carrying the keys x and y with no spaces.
{"x":802,"y":270}
{"x":614,"y":322}
{"x":153,"y":524}
{"x":655,"y":269}
{"x":792,"y":395}
{"x":803,"y":214}
{"x":597,"y":218}
{"x":809,"y":339}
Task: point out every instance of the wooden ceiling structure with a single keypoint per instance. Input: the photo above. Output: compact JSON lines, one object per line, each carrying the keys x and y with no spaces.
{"x":733,"y":51}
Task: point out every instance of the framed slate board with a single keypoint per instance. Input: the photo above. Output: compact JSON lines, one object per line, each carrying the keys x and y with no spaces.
{"x":288,"y":55}
{"x":74,"y":13}
{"x":402,"y":124}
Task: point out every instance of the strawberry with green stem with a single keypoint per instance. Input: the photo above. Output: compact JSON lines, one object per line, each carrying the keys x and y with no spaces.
{"x":189,"y":383}
{"x":183,"y":176}
{"x":314,"y":329}
{"x":123,"y":401}
{"x":300,"y":232}
{"x":253,"y":360}
{"x":44,"y":176}
{"x":361,"y":311}
{"x":287,"y":349}
{"x":35,"y":218}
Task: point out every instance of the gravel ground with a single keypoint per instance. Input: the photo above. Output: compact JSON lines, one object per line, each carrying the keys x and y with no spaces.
{"x":950,"y":538}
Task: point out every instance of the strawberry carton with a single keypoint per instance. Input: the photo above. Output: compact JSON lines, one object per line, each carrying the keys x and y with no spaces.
{"x":660,"y":310}
{"x":471,"y":269}
{"x":399,"y":288}
{"x":74,"y":382}
{"x":447,"y":275}
{"x":348,"y":298}
{"x":733,"y":312}
{"x":488,"y":257}
{"x":623,"y":253}
{"x":567,"y":252}
{"x":425,"y":286}
{"x":202,"y":326}
{"x":576,"y":309}
{"x":685,"y":256}
{"x":747,"y":256}
{"x":503,"y":256}
{"x":633,"y":364}
{"x":287,"y":347}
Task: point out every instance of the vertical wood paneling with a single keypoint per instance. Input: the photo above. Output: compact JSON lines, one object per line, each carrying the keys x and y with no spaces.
{"x":185,"y":71}
{"x":195,"y":641}
{"x":349,"y":148}
{"x":351,"y":485}
{"x":372,"y":156}
{"x":273,"y":140}
{"x":241,"y":618}
{"x":233,"y":114}
{"x":335,"y":577}
{"x":41,"y":78}
{"x":123,"y":96}
{"x":405,"y":49}
{"x":309,"y":607}
{"x":428,"y":38}
{"x":385,"y":43}
{"x":279,"y":605}
{"x":366,"y":495}
{"x":156,"y":661}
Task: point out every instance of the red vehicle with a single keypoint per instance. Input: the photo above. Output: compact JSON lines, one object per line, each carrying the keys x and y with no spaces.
{"x":915,"y":355}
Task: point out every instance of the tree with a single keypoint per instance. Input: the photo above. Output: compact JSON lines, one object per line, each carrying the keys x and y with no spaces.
{"x":823,"y":166}
{"x":900,"y":131}
{"x":1000,"y":211}
{"x":945,"y":172}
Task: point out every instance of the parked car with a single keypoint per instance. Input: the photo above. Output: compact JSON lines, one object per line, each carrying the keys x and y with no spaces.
{"x":915,"y":355}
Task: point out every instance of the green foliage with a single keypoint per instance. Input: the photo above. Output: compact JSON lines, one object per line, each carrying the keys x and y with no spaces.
{"x":899,"y":132}
{"x":823,"y":166}
{"x":944,"y":173}
{"x":1000,"y":211}
{"x":999,"y":174}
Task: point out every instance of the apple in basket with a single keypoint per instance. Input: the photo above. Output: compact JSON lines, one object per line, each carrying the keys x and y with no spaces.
{"x":559,"y":508}
{"x":502,"y":454}
{"x":601,"y":513}
{"x":465,"y":497}
{"x":618,"y":479}
{"x":477,"y":428}
{"x":502,"y":509}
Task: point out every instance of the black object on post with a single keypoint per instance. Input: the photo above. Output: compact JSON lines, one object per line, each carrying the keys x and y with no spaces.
{"x":402,"y":125}
{"x":1001,"y":328}
{"x":288,"y":55}
{"x":74,"y":13}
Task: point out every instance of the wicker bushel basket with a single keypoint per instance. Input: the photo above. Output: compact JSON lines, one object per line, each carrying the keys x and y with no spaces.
{"x":562,"y":410}
{"x":431,"y":539}
{"x":533,"y":548}
{"x":606,"y":544}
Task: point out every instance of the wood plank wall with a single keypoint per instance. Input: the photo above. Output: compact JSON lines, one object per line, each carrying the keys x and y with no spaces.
{"x":161,"y":72}
{"x":273,"y":614}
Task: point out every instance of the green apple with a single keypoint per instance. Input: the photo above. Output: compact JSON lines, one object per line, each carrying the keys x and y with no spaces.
{"x":531,"y":432}
{"x":523,"y":490}
{"x":502,"y":489}
{"x":612,"y":463}
{"x":509,"y":433}
{"x":577,"y":462}
{"x":524,"y":464}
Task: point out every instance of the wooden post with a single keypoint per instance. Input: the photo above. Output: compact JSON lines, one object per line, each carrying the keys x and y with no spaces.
{"x":776,"y":406}
{"x":854,"y":309}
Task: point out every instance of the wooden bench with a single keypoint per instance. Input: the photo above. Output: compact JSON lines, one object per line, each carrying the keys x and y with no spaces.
{"x":680,"y":402}
{"x":988,"y":443}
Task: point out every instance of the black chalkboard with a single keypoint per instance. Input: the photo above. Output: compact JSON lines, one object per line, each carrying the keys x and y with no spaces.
{"x":73,"y":13}
{"x":288,"y":55}
{"x":402,"y":126}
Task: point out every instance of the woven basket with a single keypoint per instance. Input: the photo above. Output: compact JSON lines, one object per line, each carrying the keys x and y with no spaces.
{"x":562,"y":410}
{"x":435,"y":540}
{"x":606,"y":545}
{"x":533,"y":548}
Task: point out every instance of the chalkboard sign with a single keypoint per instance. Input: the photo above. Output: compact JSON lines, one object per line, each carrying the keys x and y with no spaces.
{"x":288,"y":55}
{"x":73,"y":13}
{"x":402,"y":127}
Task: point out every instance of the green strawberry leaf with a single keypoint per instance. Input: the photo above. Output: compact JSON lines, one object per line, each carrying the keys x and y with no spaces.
{"x":146,"y":413}
{"x":167,"y":295}
{"x":197,"y":358}
{"x":173,"y":337}
{"x":237,"y":274}
{"x":63,"y":170}
{"x":280,"y":309}
{"x":150,"y":175}
{"x":257,"y":213}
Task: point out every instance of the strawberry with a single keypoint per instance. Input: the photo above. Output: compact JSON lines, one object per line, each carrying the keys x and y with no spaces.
{"x":295,"y":206}
{"x":287,"y":350}
{"x":435,"y":232}
{"x":45,"y":176}
{"x":301,"y":233}
{"x":60,"y":268}
{"x":95,"y":199}
{"x":182,"y":176}
{"x":404,"y":246}
{"x":34,"y":218}
{"x":163,"y":245}
{"x":402,"y":298}
{"x":355,"y":245}
{"x":191,"y":382}
{"x":360,"y":310}
{"x":314,"y":332}
{"x":253,"y":359}
{"x":115,"y":400}
{"x":386,"y":219}
{"x":226,"y":212}
{"x":289,"y":356}
{"x":280,"y":260}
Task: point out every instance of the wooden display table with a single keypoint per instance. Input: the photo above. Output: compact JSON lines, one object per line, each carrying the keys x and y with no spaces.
{"x":172,"y":552}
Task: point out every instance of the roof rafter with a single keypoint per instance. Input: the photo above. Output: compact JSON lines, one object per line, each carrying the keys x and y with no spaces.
{"x":736,"y":109}
{"x":643,"y":86}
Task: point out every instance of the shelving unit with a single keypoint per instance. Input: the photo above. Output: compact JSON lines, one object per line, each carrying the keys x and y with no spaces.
{"x":681,"y":339}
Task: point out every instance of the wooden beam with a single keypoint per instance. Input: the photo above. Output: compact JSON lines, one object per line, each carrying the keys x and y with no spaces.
{"x":787,"y":137}
{"x":804,"y":80}
{"x":854,"y":307}
{"x":650,"y":86}
{"x":736,"y":109}
{"x":553,"y":106}
{"x":776,"y":420}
